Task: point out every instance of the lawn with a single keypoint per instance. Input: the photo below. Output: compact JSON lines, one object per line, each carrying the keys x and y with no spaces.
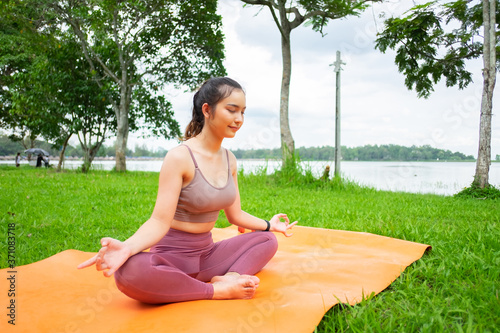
{"x":454,"y":287}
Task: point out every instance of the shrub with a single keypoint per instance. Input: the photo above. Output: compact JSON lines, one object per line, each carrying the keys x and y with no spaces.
{"x":477,"y":192}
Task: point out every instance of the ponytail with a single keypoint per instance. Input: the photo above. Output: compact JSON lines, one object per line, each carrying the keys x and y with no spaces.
{"x":211,"y":92}
{"x":197,"y":121}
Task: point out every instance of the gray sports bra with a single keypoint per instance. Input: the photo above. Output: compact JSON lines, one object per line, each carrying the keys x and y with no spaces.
{"x":199,"y":201}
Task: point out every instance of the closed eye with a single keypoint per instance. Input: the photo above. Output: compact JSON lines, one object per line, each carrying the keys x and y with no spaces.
{"x":233,"y":111}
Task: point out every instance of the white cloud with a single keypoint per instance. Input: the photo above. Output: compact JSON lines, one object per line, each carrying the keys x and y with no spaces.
{"x":376,"y":106}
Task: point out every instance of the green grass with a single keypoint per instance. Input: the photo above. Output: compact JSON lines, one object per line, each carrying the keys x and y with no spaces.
{"x":453,"y":288}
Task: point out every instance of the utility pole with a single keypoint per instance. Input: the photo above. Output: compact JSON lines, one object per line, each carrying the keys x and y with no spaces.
{"x":337,"y":68}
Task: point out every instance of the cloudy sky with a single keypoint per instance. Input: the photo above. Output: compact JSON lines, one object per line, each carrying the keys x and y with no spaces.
{"x":376,"y":107}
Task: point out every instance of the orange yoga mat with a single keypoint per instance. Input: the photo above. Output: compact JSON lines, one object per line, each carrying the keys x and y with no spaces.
{"x":312,"y":271}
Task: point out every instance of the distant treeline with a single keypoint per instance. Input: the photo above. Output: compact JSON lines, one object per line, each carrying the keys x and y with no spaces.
{"x":365,"y":153}
{"x":9,"y":147}
{"x":325,"y":153}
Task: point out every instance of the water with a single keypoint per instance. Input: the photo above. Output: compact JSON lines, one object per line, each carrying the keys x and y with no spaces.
{"x":444,"y":178}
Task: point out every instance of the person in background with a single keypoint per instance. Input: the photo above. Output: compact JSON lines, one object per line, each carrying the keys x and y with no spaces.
{"x":18,"y":160}
{"x":39,"y":160}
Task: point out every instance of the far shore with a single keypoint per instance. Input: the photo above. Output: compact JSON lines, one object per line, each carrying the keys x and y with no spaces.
{"x":75,"y":158}
{"x":146,"y":158}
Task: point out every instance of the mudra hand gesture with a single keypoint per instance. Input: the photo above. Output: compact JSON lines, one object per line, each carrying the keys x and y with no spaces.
{"x":279,"y":226}
{"x":110,"y":257}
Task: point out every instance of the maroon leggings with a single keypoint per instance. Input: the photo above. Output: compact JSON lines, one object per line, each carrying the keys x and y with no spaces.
{"x":178,"y":267}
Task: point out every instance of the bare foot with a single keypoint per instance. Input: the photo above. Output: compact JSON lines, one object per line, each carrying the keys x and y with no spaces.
{"x":234,"y":286}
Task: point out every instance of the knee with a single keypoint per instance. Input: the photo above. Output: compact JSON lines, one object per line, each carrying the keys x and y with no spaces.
{"x":125,"y":276}
{"x":132,"y":271}
{"x":272,"y":242}
{"x":132,"y":278}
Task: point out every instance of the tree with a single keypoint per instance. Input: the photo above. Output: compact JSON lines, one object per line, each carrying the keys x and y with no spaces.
{"x":143,"y":46}
{"x":481,"y":178}
{"x":428,"y":49}
{"x":73,"y":103}
{"x":289,"y":15}
{"x":82,"y":106}
{"x":23,"y":50}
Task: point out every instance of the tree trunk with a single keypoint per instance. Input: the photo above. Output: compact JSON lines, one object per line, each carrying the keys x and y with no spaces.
{"x":287,"y":143}
{"x":121,"y":145}
{"x":481,"y":177}
{"x":61,"y":155}
{"x":90,"y":155}
{"x":122,"y":130}
{"x":31,"y":143}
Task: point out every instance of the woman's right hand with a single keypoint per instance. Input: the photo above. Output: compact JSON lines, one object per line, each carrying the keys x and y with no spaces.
{"x":110,"y":257}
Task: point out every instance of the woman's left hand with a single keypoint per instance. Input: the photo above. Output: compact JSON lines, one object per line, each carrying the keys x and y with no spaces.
{"x":279,"y":226}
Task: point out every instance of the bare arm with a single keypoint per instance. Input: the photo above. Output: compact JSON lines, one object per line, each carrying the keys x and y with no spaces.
{"x":237,"y":216}
{"x":114,"y":253}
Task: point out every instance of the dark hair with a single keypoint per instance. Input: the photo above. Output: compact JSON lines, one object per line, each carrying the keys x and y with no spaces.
{"x":211,"y":92}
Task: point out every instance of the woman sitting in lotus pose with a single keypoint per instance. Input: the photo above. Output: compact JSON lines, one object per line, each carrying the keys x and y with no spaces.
{"x":197,"y":180}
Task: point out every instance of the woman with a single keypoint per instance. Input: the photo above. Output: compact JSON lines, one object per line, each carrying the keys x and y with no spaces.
{"x":197,"y":180}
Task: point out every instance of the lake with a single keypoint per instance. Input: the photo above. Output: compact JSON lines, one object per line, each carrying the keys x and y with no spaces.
{"x":444,"y":178}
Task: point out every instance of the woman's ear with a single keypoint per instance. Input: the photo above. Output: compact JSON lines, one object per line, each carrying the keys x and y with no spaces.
{"x":206,"y":109}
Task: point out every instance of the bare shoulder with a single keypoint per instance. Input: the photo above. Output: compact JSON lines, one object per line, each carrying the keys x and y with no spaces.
{"x":178,"y":159}
{"x":177,"y":153}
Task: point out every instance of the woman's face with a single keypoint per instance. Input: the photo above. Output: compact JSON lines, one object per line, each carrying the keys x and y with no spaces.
{"x":228,"y":116}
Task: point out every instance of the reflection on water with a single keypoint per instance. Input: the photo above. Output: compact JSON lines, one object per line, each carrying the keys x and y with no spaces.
{"x":444,"y":178}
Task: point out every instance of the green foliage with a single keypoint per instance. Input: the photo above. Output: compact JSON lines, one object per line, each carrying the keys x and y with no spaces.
{"x":53,"y":95}
{"x":333,"y":9}
{"x":293,"y":173}
{"x":326,"y":153}
{"x":10,"y":147}
{"x":364,"y":153}
{"x":400,"y":153}
{"x":156,"y":112}
{"x":477,"y":192}
{"x":20,"y":50}
{"x":298,"y":177}
{"x":185,"y":49}
{"x":81,"y":108}
{"x":428,"y":48}
{"x":71,"y":68}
